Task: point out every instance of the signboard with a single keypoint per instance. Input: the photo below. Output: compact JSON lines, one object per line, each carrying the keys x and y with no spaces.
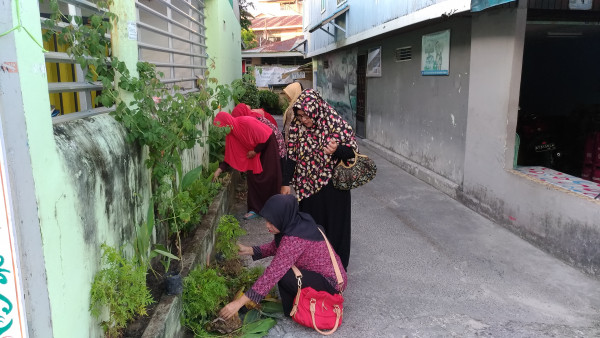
{"x":298,"y":75}
{"x":374,"y":62}
{"x":479,"y":5}
{"x":435,"y":54}
{"x":271,"y":75}
{"x":12,"y":316}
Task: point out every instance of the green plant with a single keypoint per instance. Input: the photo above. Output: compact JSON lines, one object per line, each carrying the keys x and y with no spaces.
{"x":143,"y":243}
{"x":245,"y":90}
{"x":249,"y":39}
{"x":216,"y":143}
{"x":269,"y":101}
{"x":121,"y":287}
{"x":228,"y":232}
{"x":204,"y":293}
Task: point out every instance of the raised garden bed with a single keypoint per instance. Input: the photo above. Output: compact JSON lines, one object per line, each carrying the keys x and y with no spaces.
{"x":164,"y":316}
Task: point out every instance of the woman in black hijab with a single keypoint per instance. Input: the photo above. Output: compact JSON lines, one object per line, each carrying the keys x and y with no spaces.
{"x":297,"y":241}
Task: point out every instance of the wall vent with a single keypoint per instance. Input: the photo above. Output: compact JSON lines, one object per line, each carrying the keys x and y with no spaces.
{"x":404,"y":54}
{"x":326,"y":64}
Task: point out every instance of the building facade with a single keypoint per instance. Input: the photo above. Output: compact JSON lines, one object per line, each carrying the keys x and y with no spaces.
{"x":478,"y":99}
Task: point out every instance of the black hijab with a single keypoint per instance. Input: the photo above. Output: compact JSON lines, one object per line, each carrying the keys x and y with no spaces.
{"x":282,"y":212}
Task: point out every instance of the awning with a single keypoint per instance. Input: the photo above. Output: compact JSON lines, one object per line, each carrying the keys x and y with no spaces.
{"x":330,"y":18}
{"x":479,"y":5}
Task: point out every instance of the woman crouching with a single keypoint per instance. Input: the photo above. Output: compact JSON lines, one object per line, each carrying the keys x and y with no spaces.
{"x":298,"y":242}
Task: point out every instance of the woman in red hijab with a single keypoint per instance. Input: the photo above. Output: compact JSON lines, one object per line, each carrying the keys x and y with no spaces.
{"x":251,"y":147}
{"x":243,"y":109}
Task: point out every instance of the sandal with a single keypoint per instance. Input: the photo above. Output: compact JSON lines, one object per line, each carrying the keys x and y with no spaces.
{"x":251,"y":215}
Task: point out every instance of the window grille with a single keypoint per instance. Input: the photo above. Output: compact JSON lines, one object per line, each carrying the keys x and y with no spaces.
{"x":69,"y":91}
{"x":171,"y":35}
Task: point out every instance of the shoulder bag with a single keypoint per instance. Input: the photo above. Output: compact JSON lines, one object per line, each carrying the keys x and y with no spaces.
{"x":319,"y":309}
{"x":350,"y":176}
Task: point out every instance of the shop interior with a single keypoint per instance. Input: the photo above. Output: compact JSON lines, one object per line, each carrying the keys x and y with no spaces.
{"x":558,"y":124}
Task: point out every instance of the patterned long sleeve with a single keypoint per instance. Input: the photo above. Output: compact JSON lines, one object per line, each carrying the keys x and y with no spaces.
{"x":290,"y":248}
{"x":265,"y":250}
{"x":305,"y":254}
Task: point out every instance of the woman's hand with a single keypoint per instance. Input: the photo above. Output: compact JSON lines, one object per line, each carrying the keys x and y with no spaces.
{"x":331,"y":147}
{"x":251,"y":154}
{"x":232,"y":308}
{"x":216,"y":174}
{"x":245,"y":250}
{"x":286,"y":190}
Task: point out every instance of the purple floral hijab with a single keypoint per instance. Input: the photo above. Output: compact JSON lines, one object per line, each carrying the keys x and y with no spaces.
{"x":306,"y":145}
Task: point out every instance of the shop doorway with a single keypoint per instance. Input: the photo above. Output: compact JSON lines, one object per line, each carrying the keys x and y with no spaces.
{"x":558,"y":126}
{"x":361,"y":95}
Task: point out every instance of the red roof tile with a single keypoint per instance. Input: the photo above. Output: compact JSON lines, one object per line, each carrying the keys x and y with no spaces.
{"x":280,"y":46}
{"x":276,"y":22}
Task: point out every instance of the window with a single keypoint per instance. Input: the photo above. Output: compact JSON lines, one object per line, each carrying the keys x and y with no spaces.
{"x":341,"y":2}
{"x":323,"y":5}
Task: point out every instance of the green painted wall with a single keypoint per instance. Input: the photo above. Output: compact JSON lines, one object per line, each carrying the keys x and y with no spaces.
{"x":224,"y":41}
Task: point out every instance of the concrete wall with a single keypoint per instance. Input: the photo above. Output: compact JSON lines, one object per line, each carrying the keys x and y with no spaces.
{"x":561,"y":223}
{"x":422,"y":118}
{"x":337,"y":82}
{"x":223,"y":41}
{"x":105,"y":194}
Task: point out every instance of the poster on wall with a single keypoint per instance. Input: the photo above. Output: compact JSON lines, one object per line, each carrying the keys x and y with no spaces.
{"x":582,"y":5}
{"x":374,"y":62}
{"x":435,"y":54}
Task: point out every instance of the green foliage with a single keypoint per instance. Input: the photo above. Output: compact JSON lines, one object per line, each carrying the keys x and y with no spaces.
{"x":269,"y":101}
{"x":283,"y":104}
{"x":249,"y":39}
{"x":245,"y":15}
{"x":204,"y":293}
{"x":193,"y":201}
{"x":254,"y":327}
{"x":245,"y":279}
{"x":228,"y":232}
{"x":216,"y":143}
{"x":120,"y":286}
{"x":245,"y":91}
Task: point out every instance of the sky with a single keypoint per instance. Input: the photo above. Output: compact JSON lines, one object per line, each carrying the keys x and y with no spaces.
{"x":258,"y":7}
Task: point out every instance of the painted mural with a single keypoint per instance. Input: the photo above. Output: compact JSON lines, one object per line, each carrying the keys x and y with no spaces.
{"x":337,"y":82}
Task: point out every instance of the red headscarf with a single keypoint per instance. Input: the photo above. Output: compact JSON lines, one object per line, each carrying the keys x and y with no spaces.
{"x":246,"y":133}
{"x":242,"y":109}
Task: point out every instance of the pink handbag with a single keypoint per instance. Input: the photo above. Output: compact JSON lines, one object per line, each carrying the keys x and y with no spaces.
{"x":319,"y":309}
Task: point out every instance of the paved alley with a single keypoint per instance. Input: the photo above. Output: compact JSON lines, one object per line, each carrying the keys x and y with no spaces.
{"x":424,"y":265}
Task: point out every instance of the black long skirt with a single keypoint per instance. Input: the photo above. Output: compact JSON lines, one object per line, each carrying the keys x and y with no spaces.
{"x":331,"y":208}
{"x":268,"y":182}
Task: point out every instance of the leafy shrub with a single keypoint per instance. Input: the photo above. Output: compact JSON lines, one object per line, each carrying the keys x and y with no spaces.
{"x":204,"y":293}
{"x":228,"y":232}
{"x":216,"y":143}
{"x":245,"y":91}
{"x":269,"y":101}
{"x":120,"y":286}
{"x":193,"y":201}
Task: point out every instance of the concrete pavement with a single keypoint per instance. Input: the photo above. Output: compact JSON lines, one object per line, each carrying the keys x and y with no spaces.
{"x":424,"y":265}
